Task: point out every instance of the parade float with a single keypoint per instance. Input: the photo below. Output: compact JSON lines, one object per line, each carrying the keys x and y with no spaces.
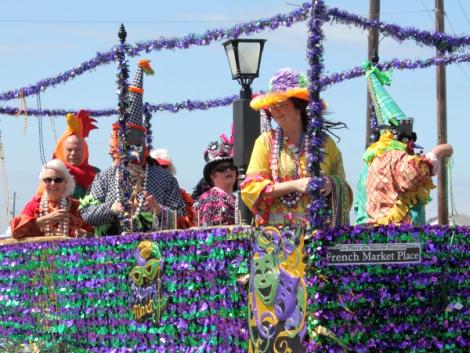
{"x":241,"y":289}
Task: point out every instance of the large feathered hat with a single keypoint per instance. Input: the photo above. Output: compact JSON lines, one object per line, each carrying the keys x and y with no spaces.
{"x":286,"y":83}
{"x":216,"y":152}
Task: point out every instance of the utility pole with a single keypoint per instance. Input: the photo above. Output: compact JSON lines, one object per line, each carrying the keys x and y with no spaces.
{"x":373,"y":56}
{"x":442,"y":196}
{"x":13,"y":211}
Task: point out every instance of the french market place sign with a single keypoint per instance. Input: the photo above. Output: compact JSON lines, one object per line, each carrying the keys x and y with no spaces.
{"x":373,"y":254}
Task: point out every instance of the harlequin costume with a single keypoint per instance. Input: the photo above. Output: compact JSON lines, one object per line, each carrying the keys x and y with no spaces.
{"x":80,"y":125}
{"x":394,"y":184}
{"x":216,"y":206}
{"x":273,"y":161}
{"x":107,"y":187}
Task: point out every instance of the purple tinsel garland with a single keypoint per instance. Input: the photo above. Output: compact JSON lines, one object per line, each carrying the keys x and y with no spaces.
{"x":399,"y":64}
{"x":379,"y":308}
{"x":189,"y":105}
{"x":325,"y":81}
{"x":97,"y":271}
{"x":440,"y":40}
{"x":104,"y":58}
{"x":316,"y":218}
{"x":392,"y":307}
{"x":437,"y":39}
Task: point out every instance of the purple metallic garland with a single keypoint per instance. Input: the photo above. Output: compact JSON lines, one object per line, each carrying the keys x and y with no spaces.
{"x":103,"y":58}
{"x":98,"y":330}
{"x":434,"y":39}
{"x":189,"y":105}
{"x":245,"y":29}
{"x":314,"y":129}
{"x":441,"y":261}
{"x":399,"y":64}
{"x":325,"y":81}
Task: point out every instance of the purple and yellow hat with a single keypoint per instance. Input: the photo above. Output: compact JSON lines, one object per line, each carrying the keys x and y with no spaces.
{"x":286,"y":83}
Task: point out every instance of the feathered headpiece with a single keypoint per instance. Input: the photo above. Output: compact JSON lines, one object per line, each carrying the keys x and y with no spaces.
{"x":285,"y":84}
{"x":80,"y":125}
{"x":217,"y":151}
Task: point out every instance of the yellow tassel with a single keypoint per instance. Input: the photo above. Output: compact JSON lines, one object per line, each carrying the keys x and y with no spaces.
{"x":22,"y":109}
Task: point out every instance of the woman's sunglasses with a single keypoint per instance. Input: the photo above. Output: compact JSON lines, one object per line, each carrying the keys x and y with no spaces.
{"x":223,"y":168}
{"x":55,"y":180}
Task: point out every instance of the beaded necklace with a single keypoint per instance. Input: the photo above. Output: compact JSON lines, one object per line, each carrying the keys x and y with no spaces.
{"x":138,"y":191}
{"x":63,"y":228}
{"x":291,"y":199}
{"x":140,"y":188}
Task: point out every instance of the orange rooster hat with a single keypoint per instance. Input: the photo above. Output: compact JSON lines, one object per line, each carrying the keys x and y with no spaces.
{"x":80,"y":125}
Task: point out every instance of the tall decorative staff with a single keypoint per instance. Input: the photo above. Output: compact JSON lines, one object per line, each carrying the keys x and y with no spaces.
{"x":123,"y":105}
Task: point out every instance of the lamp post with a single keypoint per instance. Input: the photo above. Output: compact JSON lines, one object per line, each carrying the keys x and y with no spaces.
{"x":244,"y":58}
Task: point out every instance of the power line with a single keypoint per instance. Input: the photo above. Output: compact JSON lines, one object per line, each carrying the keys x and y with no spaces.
{"x":458,"y":65}
{"x":428,"y":11}
{"x":115,"y":21}
{"x":452,"y":28}
{"x":463,"y":11}
{"x":381,"y":13}
{"x":449,"y":23}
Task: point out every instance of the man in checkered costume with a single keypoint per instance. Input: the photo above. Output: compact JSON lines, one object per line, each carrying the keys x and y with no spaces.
{"x":152,"y":192}
{"x":395,"y":183}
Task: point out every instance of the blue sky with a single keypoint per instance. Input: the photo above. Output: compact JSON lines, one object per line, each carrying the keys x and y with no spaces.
{"x":42,"y":39}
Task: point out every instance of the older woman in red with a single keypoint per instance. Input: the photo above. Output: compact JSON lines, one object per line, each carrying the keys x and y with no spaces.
{"x":52,"y":212}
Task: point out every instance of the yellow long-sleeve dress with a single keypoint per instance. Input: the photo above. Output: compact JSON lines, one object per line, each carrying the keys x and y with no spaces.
{"x":264,"y":169}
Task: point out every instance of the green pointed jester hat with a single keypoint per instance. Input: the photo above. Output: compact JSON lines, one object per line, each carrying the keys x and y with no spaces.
{"x":388,"y":112}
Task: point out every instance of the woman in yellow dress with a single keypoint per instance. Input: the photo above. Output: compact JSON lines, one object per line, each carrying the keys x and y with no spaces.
{"x":277,"y":188}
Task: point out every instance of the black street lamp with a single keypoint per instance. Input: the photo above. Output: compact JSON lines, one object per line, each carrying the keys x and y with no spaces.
{"x":244,"y":58}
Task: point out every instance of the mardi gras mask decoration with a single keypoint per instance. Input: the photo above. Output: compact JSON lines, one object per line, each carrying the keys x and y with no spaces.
{"x":286,"y":295}
{"x":293,"y":321}
{"x":265,"y":278}
{"x":148,"y":272}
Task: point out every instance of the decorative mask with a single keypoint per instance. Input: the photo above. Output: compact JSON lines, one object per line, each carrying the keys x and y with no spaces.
{"x":265,"y":278}
{"x":135,"y":153}
{"x":149,"y":272}
{"x":286,"y":295}
{"x":135,"y":140}
{"x":293,"y":321}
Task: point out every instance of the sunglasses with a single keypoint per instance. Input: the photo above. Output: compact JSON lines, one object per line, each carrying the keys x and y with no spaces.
{"x":55,"y":180}
{"x":223,"y":168}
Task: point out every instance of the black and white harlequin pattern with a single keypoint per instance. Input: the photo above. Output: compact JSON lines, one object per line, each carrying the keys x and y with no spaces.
{"x":135,"y":99}
{"x":135,"y":109}
{"x":138,"y":78}
{"x":161,"y":184}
